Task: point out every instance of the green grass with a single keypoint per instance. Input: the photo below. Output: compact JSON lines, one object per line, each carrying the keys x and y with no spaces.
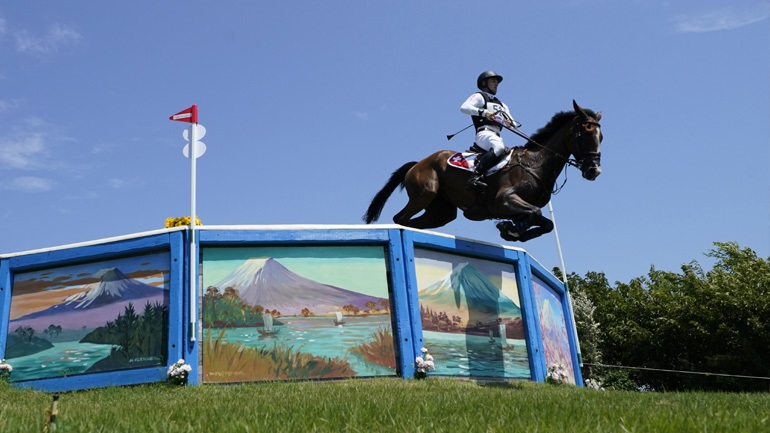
{"x":382,"y":405}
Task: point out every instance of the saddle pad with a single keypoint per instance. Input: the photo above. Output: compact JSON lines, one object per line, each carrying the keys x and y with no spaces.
{"x":467,"y":161}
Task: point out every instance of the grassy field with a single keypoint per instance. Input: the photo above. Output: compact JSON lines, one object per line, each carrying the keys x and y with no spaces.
{"x":382,"y":405}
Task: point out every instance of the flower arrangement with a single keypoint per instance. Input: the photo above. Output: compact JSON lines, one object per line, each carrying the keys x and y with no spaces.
{"x":178,"y":372}
{"x":5,"y":370}
{"x":183,"y":221}
{"x":423,"y":364}
{"x":557,"y":374}
{"x":594,"y":384}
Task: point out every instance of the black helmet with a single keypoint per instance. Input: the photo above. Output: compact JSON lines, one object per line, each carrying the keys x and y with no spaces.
{"x":484,"y":75}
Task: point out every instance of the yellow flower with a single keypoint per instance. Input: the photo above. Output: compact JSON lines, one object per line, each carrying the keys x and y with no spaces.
{"x":179,"y":222}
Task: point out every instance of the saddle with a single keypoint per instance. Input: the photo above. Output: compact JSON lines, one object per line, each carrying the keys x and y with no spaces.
{"x":467,"y":160}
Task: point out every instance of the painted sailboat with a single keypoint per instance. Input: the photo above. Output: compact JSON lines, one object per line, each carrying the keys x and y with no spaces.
{"x":338,"y":319}
{"x":503,"y":345}
{"x":267,"y":327}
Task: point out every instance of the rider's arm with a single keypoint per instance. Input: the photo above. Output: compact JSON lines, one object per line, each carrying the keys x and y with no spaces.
{"x":474,"y":105}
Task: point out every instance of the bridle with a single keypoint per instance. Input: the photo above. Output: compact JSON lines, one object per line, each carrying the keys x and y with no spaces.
{"x":578,"y":131}
{"x":594,"y":157}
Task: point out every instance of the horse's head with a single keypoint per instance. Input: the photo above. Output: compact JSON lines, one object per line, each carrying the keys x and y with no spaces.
{"x":588,"y":138}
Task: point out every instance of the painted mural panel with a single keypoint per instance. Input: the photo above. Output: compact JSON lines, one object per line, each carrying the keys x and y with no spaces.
{"x":471,"y":316}
{"x":87,"y":318}
{"x":553,"y":328}
{"x":296,"y":312}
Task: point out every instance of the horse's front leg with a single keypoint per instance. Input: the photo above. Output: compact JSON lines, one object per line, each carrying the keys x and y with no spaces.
{"x":522,"y":231}
{"x":527,"y":221}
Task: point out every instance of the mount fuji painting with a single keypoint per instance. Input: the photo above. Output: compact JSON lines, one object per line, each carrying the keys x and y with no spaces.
{"x":465,"y":300}
{"x":466,"y":288}
{"x":296,"y":312}
{"x":96,"y":304}
{"x":471,"y":315}
{"x":267,"y":283}
{"x":72,"y":319}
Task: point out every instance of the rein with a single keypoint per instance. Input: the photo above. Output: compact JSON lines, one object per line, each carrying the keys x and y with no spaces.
{"x":568,"y":161}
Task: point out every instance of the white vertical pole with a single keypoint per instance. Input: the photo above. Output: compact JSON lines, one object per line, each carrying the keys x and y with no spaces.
{"x":566,"y":284}
{"x":193,"y":253}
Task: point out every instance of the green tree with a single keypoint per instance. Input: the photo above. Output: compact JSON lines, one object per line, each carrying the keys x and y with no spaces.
{"x":715,"y":322}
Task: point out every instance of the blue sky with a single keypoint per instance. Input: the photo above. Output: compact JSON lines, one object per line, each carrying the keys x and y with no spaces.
{"x":309,"y":106}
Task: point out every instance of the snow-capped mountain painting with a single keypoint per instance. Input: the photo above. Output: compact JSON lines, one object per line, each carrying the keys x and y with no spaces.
{"x":465,"y":288}
{"x":98,"y":303}
{"x":266,"y":282}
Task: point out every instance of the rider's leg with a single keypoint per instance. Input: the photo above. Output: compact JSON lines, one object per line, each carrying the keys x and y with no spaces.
{"x":485,"y":162}
{"x":495,"y":149}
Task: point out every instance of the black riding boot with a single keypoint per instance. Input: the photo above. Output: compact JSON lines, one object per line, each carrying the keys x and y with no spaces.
{"x":485,"y":162}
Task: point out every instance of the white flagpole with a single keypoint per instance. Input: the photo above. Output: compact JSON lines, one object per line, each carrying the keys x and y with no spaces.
{"x":566,"y":284}
{"x":193,"y":253}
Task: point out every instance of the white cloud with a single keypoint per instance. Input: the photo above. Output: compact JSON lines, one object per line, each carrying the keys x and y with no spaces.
{"x":22,"y":152}
{"x":361,"y":115}
{"x":9,"y":104}
{"x":727,"y":18}
{"x":58,"y":35}
{"x":28,"y":184}
{"x":2,"y":26}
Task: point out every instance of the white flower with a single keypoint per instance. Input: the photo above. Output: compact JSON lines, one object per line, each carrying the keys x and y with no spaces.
{"x":594,"y":384}
{"x":428,"y":357}
{"x":557,"y":373}
{"x":424,"y":350}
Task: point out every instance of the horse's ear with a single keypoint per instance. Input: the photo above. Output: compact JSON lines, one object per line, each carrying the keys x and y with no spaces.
{"x":578,"y":109}
{"x":598,"y":116}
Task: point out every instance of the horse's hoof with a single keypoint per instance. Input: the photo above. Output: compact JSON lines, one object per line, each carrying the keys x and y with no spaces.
{"x":508,"y":231}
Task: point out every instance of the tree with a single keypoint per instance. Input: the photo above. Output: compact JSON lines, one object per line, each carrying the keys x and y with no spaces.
{"x":715,"y":322}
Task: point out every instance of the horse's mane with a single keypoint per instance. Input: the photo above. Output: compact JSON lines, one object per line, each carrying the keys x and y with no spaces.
{"x":557,"y":122}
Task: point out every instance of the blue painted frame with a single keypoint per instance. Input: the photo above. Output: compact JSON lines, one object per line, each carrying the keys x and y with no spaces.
{"x":399,"y":244}
{"x":171,"y":241}
{"x":518,"y":259}
{"x":552,"y":282}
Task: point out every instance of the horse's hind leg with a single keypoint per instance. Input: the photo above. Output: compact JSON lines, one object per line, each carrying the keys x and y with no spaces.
{"x":414,"y":206}
{"x":438,"y":213}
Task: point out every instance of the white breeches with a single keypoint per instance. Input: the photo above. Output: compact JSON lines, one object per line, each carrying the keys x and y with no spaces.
{"x":488,"y":140}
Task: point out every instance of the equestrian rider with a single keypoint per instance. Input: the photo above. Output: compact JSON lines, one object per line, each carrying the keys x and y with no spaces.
{"x":487,"y":113}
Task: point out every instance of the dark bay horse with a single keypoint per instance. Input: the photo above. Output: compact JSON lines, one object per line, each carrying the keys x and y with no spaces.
{"x":516,"y":193}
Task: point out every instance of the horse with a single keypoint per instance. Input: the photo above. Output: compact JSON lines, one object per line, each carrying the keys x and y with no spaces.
{"x":515,"y":194}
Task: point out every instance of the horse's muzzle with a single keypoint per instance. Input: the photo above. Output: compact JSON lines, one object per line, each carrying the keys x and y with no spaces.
{"x":591,"y":167}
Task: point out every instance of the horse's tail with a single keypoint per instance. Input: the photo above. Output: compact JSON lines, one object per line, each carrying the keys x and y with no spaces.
{"x":378,"y":202}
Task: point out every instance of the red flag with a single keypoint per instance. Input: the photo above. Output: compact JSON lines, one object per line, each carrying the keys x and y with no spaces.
{"x":187,"y":115}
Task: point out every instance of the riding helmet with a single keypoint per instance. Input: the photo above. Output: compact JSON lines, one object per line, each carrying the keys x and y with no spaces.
{"x":484,"y":75}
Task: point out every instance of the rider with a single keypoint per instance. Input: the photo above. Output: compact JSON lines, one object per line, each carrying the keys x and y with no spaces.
{"x":487,"y":112}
